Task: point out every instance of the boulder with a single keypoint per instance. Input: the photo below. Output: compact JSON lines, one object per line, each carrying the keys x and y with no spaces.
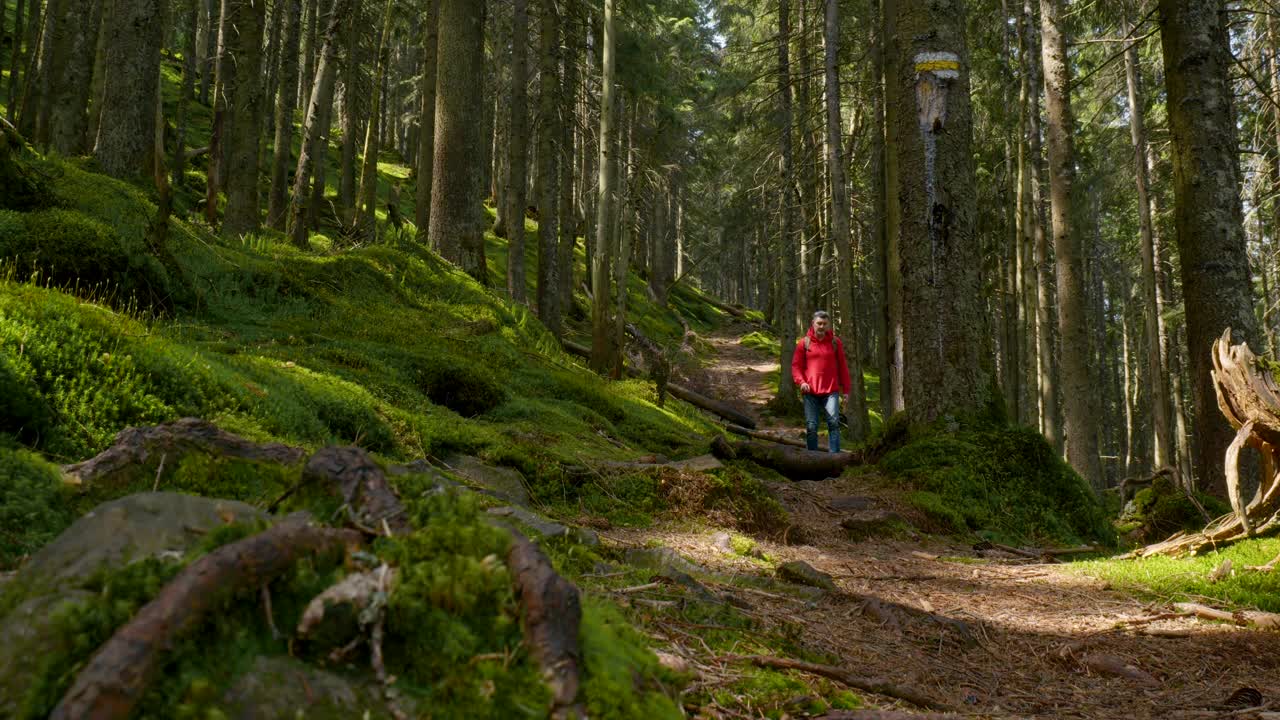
{"x":802,"y":573}
{"x":875,"y":523}
{"x":282,"y":687}
{"x":130,"y":528}
{"x":502,"y":482}
{"x":659,"y":559}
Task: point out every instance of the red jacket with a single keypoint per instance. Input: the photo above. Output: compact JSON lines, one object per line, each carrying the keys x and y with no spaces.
{"x":822,"y":364}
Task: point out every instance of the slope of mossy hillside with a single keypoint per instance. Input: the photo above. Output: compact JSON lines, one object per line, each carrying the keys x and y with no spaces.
{"x":384,"y":346}
{"x":1004,"y":483}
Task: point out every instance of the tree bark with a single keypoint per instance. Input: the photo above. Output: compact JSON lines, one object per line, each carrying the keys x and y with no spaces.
{"x":549,"y":158}
{"x":456,"y":231}
{"x":372,"y":141}
{"x":179,"y":163}
{"x":124,"y":145}
{"x":857,"y":410}
{"x":787,"y":306}
{"x":895,"y":400}
{"x":602,"y":350}
{"x":15,"y":56}
{"x":353,"y":110}
{"x":76,"y":38}
{"x":1217,"y":287}
{"x":313,"y":129}
{"x":1079,"y":406}
{"x":427,"y":121}
{"x":243,"y":87}
{"x":1157,"y":379}
{"x":942,"y":294}
{"x":569,"y":218}
{"x":512,"y":220}
{"x":282,"y":153}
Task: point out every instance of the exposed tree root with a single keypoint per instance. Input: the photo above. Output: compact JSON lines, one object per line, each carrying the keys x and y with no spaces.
{"x":879,"y":686}
{"x":793,"y":463}
{"x":137,"y":446}
{"x":552,"y":613}
{"x":351,"y":474}
{"x":120,"y":671}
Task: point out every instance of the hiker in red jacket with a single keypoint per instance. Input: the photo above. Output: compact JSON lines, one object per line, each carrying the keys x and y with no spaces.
{"x":821,"y":372}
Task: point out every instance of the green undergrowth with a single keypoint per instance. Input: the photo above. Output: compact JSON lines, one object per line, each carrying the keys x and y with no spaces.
{"x":1003,"y":483}
{"x":34,"y":504}
{"x":1175,"y":579}
{"x":1163,"y":509}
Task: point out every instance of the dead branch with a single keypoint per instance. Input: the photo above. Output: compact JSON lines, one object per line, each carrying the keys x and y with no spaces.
{"x":1243,"y":618}
{"x":119,"y":673}
{"x":879,"y":686}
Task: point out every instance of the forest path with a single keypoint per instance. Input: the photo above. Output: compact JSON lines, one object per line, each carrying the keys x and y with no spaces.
{"x":995,"y":636}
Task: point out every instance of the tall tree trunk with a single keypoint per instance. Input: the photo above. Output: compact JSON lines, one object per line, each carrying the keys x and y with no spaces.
{"x":456,"y":230}
{"x":1079,"y":406}
{"x":314,"y":127}
{"x":277,"y":199}
{"x":569,"y":219}
{"x":602,"y":350}
{"x":354,"y":105}
{"x":941,"y":258}
{"x":275,"y":25}
{"x":1157,"y":379}
{"x":125,"y":140}
{"x":98,"y":79}
{"x":896,"y":398}
{"x":189,"y":63}
{"x":1217,"y":287}
{"x":217,"y":137}
{"x":372,"y":142}
{"x":15,"y":56}
{"x":512,"y":224}
{"x":210,"y":16}
{"x":243,"y":83}
{"x":27,"y":62}
{"x":310,"y":40}
{"x":70,"y":75}
{"x":787,"y":316}
{"x":549,"y":158}
{"x":427,"y":121}
{"x":857,"y":410}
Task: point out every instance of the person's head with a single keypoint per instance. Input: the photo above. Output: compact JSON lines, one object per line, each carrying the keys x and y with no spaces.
{"x":821,"y":322}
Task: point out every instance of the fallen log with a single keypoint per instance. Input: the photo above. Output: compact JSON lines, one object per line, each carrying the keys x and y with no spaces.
{"x":692,"y":397}
{"x":759,"y":435}
{"x":118,"y":674}
{"x":879,"y":686}
{"x":721,"y":305}
{"x":793,"y":463}
{"x":1243,"y":618}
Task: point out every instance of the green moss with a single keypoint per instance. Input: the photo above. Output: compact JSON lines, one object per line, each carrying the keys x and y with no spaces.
{"x":1005,"y":483}
{"x":33,"y":507}
{"x":1163,"y":509}
{"x":621,"y":675}
{"x":764,"y":342}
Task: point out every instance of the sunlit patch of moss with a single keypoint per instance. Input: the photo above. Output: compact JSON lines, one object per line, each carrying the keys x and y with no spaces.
{"x":762,"y":341}
{"x":621,"y":675}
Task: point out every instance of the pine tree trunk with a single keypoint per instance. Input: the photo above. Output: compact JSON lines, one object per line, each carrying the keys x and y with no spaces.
{"x":70,"y":76}
{"x":940,"y":254}
{"x":372,"y":141}
{"x":512,"y":224}
{"x":315,"y":125}
{"x":1157,"y":379}
{"x":282,"y":153}
{"x":427,"y":121}
{"x":456,"y":231}
{"x":787,"y":301}
{"x":569,"y":218}
{"x":1217,"y":288}
{"x":602,"y":350}
{"x":15,"y":56}
{"x":1046,"y":373}
{"x":125,"y":145}
{"x":27,"y":65}
{"x":549,"y":153}
{"x":857,"y":410}
{"x":210,"y":15}
{"x":353,"y":112}
{"x":217,"y":157}
{"x":243,"y":87}
{"x":1079,"y":406}
{"x":893,"y":211}
{"x":179,"y":163}
{"x":311,"y":41}
{"x":271,"y":61}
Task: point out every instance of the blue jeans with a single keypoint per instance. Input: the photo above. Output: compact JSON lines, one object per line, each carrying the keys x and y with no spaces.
{"x":822,"y":406}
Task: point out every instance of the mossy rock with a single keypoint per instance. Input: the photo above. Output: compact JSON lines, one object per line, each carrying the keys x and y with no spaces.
{"x":1163,"y":509}
{"x":284,"y":687}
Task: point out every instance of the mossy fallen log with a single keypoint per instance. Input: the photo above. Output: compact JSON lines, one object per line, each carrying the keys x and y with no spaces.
{"x":793,"y":463}
{"x":118,"y":674}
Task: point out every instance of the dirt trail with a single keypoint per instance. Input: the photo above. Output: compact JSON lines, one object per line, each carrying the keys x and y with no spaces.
{"x":995,"y":636}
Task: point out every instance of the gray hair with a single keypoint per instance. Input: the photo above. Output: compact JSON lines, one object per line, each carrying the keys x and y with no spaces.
{"x":821,"y":315}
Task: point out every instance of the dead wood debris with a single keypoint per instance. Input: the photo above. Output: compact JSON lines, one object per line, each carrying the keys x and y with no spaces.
{"x":879,"y":686}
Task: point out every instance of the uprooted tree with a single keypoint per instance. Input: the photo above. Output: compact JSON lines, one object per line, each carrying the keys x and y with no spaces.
{"x":1249,"y":397}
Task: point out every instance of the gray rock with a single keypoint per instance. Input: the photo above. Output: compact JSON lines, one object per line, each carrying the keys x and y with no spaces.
{"x":546,"y":527}
{"x":701,"y":463}
{"x":873,"y":524}
{"x":285,"y":688}
{"x":801,"y":572}
{"x":32,"y":631}
{"x":127,"y":529}
{"x":723,"y":542}
{"x":659,"y":559}
{"x":502,"y":482}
